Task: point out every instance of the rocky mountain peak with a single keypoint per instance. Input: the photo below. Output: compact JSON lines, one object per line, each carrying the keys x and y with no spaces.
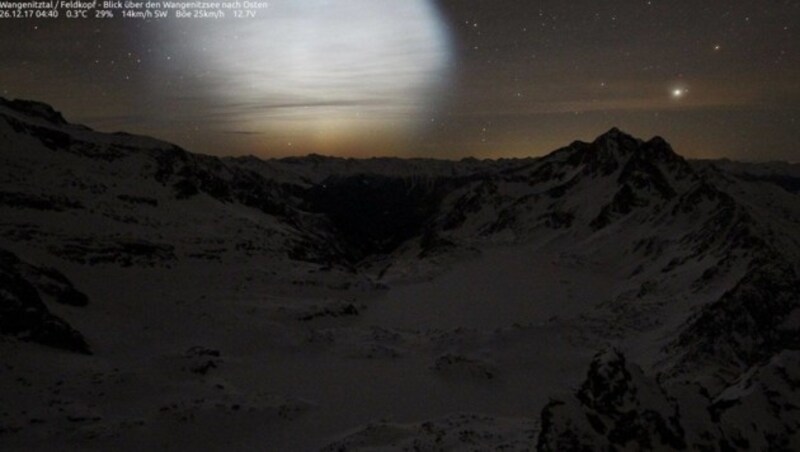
{"x":616,"y":141}
{"x":622,"y":146}
{"x":34,"y":109}
{"x":615,"y":149}
{"x":617,"y":407}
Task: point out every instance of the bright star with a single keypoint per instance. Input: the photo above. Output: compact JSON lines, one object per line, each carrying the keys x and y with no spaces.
{"x":677,"y":93}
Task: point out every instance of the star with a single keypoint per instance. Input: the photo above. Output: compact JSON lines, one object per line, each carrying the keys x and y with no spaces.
{"x":678,"y":93}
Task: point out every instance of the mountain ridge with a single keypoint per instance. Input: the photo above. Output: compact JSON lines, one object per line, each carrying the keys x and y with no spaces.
{"x":701,"y":258}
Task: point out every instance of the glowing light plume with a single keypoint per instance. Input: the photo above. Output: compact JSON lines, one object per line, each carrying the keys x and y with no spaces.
{"x":322,"y":74}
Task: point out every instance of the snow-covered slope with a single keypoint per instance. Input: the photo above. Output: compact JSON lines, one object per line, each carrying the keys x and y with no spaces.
{"x":319,"y":302}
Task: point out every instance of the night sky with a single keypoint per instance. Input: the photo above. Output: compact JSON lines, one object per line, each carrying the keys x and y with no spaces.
{"x":443,"y":79}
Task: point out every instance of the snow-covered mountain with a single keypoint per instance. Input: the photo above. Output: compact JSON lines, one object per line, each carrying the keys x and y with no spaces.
{"x":490,"y":282}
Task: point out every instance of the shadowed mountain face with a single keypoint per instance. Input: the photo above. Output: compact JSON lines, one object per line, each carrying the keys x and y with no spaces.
{"x":615,"y":407}
{"x":699,"y":261}
{"x":374,"y":215}
{"x":22,"y":312}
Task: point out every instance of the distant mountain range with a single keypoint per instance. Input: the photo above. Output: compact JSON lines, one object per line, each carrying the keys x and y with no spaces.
{"x":705,"y":256}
